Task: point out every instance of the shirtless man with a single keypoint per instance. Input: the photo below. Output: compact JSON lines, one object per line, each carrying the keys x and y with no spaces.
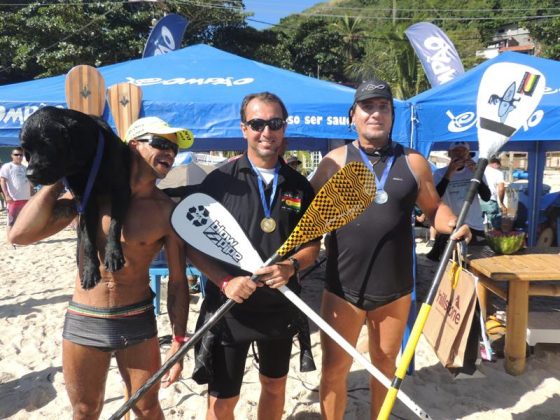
{"x":117,"y":316}
{"x":369,"y":261}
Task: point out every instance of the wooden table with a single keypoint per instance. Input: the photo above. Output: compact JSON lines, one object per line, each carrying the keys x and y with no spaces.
{"x":519,"y":273}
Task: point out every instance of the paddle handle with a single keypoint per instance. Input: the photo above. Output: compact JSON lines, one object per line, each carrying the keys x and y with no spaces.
{"x":422,"y":317}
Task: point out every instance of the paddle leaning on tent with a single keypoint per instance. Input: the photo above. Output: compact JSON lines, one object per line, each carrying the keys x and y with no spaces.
{"x":507,"y":97}
{"x":343,"y":198}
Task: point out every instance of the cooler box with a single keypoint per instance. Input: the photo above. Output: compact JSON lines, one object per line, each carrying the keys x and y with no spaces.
{"x":543,"y":327}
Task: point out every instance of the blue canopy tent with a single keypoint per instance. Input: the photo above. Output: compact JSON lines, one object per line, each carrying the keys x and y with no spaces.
{"x":201,"y":88}
{"x":447,"y":113}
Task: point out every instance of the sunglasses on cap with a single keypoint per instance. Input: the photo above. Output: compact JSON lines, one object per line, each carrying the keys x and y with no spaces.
{"x":160,"y":143}
{"x":258,"y":124}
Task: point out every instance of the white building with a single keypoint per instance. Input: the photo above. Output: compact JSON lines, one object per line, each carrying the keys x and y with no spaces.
{"x":509,"y":38}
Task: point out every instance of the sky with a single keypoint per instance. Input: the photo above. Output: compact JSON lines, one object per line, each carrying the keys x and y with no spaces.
{"x":271,"y":11}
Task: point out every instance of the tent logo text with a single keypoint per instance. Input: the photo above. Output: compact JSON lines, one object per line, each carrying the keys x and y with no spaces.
{"x":18,"y":115}
{"x":201,"y":81}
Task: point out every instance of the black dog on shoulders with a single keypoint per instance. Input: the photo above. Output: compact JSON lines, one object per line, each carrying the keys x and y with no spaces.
{"x":62,"y":143}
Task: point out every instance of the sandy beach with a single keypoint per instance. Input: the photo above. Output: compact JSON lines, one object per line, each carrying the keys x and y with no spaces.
{"x":38,"y":281}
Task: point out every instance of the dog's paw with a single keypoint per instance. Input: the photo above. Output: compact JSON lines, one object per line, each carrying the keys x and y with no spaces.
{"x":90,"y":276}
{"x":114,"y":260}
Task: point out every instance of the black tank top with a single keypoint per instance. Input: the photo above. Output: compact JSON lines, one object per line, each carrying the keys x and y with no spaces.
{"x":371,"y":257}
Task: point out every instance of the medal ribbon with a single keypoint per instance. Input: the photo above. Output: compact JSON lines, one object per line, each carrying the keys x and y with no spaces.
{"x":379,"y":183}
{"x":266,"y":206}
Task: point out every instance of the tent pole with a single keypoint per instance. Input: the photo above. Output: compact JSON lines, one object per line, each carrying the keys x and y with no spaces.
{"x":536,"y":171}
{"x":412,"y":126}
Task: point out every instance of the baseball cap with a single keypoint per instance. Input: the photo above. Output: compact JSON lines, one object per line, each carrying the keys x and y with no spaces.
{"x":292,"y":159}
{"x":459,"y":144}
{"x":155,"y":125}
{"x":373,"y":88}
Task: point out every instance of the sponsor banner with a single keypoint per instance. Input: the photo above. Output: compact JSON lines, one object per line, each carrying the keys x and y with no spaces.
{"x":166,"y":35}
{"x":436,"y":52}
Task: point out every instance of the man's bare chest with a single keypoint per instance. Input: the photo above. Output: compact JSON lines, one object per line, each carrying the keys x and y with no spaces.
{"x":145,"y":223}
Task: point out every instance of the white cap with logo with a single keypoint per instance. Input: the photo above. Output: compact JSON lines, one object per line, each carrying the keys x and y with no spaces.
{"x":155,"y":125}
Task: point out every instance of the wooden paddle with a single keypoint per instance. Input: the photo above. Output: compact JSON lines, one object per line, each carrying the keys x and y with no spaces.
{"x":125,"y":102}
{"x":85,"y":90}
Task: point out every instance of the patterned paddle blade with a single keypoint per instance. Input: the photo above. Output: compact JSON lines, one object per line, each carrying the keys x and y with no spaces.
{"x":85,"y":90}
{"x":125,"y":102}
{"x":343,"y":198}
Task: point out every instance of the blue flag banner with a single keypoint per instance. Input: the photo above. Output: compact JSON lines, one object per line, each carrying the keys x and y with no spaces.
{"x":436,"y":52}
{"x":166,"y":35}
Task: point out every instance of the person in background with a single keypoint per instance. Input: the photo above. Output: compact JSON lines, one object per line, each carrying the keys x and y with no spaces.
{"x":293,"y":162}
{"x":16,"y":188}
{"x":421,"y":220}
{"x":494,"y":208}
{"x":369,"y":274}
{"x":452,"y":184}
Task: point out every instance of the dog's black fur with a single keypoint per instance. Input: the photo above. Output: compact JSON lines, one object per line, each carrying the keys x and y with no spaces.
{"x":62,"y":143}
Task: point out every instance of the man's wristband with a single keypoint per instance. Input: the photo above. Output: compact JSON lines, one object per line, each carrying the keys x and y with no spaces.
{"x":180,"y":339}
{"x":295,"y":264}
{"x":224,"y":284}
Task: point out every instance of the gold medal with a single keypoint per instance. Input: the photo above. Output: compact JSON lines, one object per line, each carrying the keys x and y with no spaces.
{"x":268,"y":224}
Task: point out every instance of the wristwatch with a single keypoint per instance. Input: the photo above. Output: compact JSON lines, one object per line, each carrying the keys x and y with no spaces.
{"x":295,"y":264}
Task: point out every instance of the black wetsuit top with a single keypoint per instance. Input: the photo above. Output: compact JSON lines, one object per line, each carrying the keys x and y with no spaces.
{"x":371,"y":257}
{"x":266,"y":312}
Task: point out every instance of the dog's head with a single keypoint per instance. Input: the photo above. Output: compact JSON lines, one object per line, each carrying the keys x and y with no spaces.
{"x":52,"y":149}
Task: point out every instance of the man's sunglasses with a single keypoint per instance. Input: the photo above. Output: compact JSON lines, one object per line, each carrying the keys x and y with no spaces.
{"x":160,"y":143}
{"x":258,"y":124}
{"x":17,"y":154}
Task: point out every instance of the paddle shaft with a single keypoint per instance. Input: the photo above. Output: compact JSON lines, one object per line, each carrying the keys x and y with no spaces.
{"x":422,"y":317}
{"x":296,"y":300}
{"x":351,"y":350}
{"x":196,"y":337}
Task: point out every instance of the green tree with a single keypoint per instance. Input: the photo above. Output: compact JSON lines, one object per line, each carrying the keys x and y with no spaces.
{"x":353,"y":34}
{"x":545,"y":30}
{"x":315,"y":49}
{"x":391,"y":58}
{"x":48,"y":38}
